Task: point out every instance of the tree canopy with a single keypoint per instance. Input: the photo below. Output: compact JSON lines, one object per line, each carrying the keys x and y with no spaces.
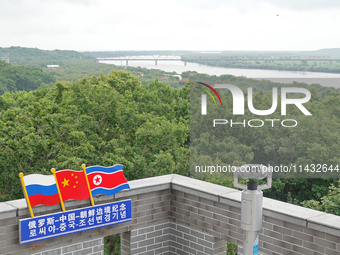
{"x":15,"y":78}
{"x":101,"y":121}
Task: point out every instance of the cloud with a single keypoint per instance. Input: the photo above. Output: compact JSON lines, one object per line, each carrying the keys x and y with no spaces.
{"x":302,"y":5}
{"x":79,"y":2}
{"x":152,"y":24}
{"x":248,"y":5}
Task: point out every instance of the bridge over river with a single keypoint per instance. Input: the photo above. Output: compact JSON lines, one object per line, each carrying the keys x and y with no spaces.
{"x":155,"y":58}
{"x":198,"y":58}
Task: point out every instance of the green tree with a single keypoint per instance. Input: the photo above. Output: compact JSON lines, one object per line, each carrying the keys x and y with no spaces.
{"x":329,"y":203}
{"x":102,"y":121}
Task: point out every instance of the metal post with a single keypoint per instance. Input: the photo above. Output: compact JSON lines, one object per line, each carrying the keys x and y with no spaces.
{"x":251,"y":218}
{"x":251,"y":204}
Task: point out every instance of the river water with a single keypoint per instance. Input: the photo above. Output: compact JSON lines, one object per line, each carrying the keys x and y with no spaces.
{"x":324,"y":79}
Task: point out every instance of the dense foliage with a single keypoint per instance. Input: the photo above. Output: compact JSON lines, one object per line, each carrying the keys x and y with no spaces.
{"x":314,"y":141}
{"x":114,"y":118}
{"x":15,"y":78}
{"x":79,"y":68}
{"x":102,"y":121}
{"x":329,"y":203}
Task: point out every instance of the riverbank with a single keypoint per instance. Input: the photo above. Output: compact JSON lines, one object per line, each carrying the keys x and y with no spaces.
{"x":303,"y":66}
{"x":324,"y":79}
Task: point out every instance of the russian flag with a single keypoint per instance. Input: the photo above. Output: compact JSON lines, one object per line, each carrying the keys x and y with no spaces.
{"x":106,"y":180}
{"x":41,"y":189}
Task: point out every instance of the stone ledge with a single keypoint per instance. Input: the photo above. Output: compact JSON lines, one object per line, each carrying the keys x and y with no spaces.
{"x":7,"y":211}
{"x":199,"y":188}
{"x":146,"y":185}
{"x":18,"y":208}
{"x":232,"y":198}
{"x":287,"y":212}
{"x":328,"y":223}
{"x":273,"y":208}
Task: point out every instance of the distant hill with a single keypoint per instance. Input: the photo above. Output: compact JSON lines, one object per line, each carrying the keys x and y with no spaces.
{"x":40,"y":58}
{"x":75,"y":65}
{"x":333,"y":53}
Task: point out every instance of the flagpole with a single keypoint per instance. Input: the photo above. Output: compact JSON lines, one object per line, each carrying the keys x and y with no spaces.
{"x":56,"y":181}
{"x":88,"y":184}
{"x":21,"y":175}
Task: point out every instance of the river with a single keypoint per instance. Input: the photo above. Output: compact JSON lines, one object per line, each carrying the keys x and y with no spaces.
{"x":324,"y":79}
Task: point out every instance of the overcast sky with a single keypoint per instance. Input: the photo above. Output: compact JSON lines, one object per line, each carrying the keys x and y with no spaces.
{"x":98,"y":25}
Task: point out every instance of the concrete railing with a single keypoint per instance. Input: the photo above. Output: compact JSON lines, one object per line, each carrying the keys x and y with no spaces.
{"x":173,"y":214}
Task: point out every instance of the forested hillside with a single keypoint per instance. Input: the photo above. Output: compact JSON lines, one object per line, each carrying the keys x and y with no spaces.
{"x":310,"y":60}
{"x":303,"y":65}
{"x":102,"y":121}
{"x":74,"y":65}
{"x":15,"y":78}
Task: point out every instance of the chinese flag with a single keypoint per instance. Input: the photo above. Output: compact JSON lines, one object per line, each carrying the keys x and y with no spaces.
{"x":72,"y":185}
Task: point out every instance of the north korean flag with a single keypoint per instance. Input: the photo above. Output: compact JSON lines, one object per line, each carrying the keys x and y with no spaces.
{"x":106,"y":180}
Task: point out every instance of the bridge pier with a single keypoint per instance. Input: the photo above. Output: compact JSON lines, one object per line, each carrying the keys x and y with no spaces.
{"x":185,"y":63}
{"x":127,"y":62}
{"x":155,"y":62}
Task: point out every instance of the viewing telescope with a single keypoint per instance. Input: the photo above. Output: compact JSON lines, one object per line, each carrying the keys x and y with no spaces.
{"x":251,"y":203}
